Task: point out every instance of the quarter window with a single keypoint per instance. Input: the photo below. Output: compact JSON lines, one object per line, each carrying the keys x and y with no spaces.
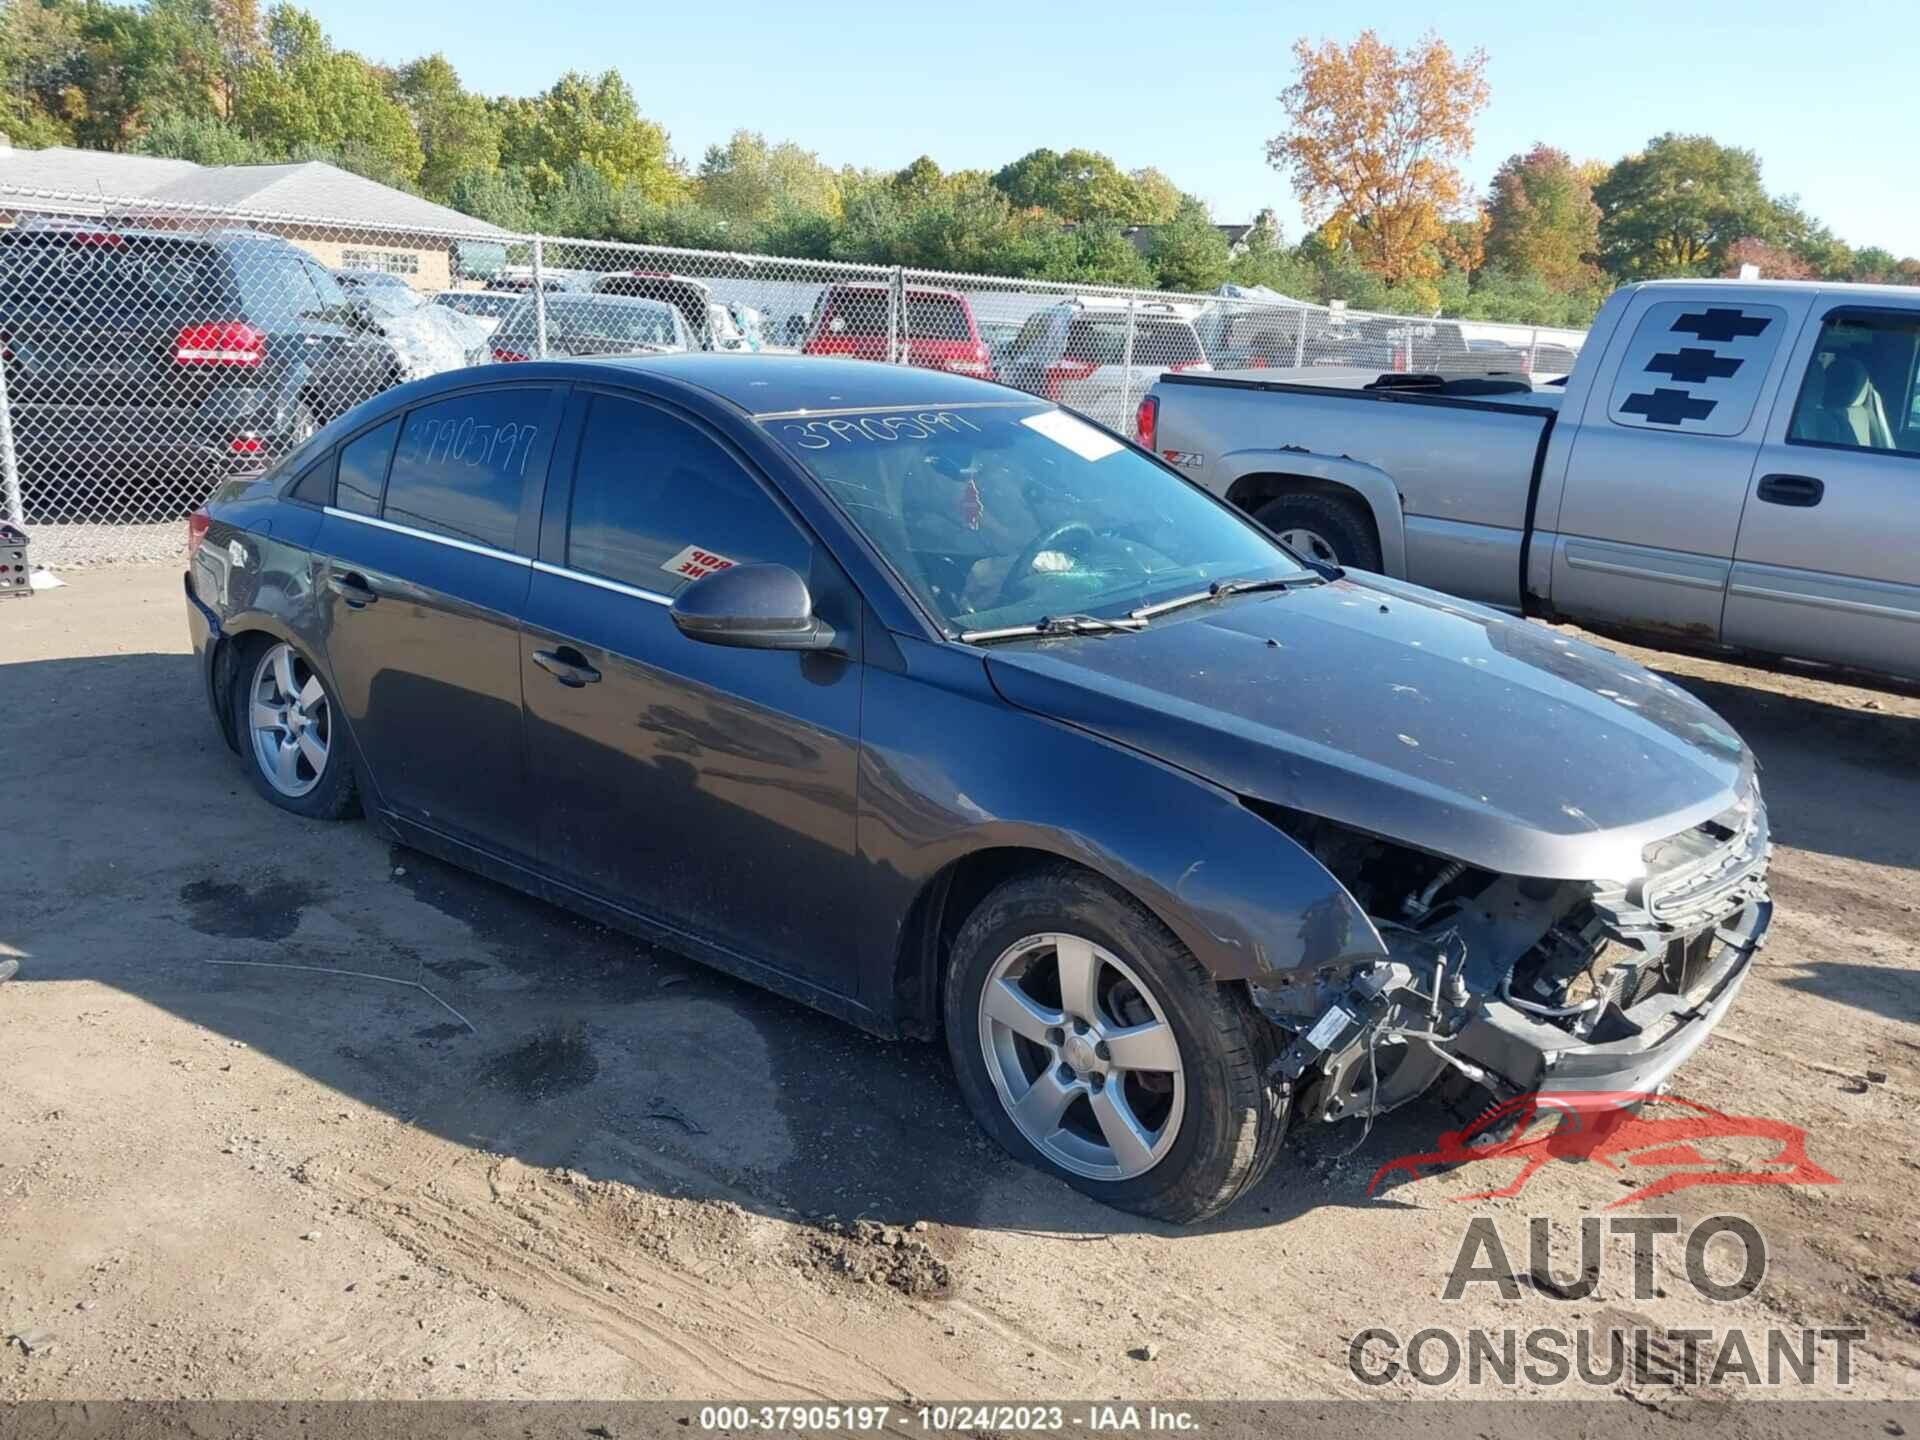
{"x":363,"y":470}
{"x":463,"y":464}
{"x":1696,"y":366}
{"x":658,"y":504}
{"x":1860,"y":390}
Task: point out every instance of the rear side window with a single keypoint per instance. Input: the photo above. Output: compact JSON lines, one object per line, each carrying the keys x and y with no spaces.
{"x":315,"y":485}
{"x":463,"y":464}
{"x":1696,"y":366}
{"x":274,"y":288}
{"x":936,"y":317}
{"x":658,"y":504}
{"x":363,"y":469}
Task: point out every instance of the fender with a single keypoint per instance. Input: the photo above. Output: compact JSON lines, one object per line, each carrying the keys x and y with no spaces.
{"x":1243,"y":896}
{"x":1373,"y":485}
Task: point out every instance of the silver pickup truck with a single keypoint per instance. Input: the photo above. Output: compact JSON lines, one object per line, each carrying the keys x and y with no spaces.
{"x":1729,"y":463}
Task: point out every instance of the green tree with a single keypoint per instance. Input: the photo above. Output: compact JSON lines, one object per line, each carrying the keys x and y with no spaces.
{"x":205,"y":140}
{"x":750,"y":180}
{"x":1542,"y":220}
{"x":1267,"y":260}
{"x":1077,"y":185}
{"x":1190,"y":253}
{"x":593,"y":122}
{"x":921,"y":183}
{"x":499,"y":197}
{"x":1679,"y":205}
{"x":1158,"y":198}
{"x":310,"y":100}
{"x":458,"y":133}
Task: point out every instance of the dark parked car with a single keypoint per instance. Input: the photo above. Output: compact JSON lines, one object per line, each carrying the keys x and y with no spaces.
{"x":930,"y":704}
{"x":174,"y":357}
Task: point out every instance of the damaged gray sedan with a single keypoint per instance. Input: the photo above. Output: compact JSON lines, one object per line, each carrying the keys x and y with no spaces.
{"x":936,"y":707}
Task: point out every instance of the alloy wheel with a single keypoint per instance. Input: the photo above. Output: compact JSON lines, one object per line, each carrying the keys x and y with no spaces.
{"x":1083,"y":1056}
{"x":291,"y":721}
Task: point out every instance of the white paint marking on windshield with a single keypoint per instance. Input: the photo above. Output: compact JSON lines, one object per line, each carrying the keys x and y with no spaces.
{"x":1076,"y":435}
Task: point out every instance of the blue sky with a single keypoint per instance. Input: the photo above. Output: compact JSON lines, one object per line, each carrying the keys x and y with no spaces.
{"x":1827,"y":101}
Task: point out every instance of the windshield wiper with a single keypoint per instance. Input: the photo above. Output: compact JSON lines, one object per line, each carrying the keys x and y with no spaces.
{"x":1056,"y":625}
{"x":1219,"y":590}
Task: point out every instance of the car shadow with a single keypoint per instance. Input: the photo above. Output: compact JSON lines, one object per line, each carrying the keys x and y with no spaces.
{"x":491,"y":1019}
{"x":1838,"y":779}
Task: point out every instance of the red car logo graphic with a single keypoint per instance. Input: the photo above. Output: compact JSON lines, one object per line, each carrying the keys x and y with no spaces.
{"x":1608,"y":1128}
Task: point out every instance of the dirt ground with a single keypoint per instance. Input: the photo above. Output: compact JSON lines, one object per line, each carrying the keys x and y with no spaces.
{"x":553,"y":1163}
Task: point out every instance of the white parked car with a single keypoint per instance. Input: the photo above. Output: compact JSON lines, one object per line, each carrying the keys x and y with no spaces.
{"x":425,"y":339}
{"x":1075,"y":353}
{"x":486,"y":308}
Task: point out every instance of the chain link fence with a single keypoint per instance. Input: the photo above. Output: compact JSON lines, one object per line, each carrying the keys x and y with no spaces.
{"x":148,"y":351}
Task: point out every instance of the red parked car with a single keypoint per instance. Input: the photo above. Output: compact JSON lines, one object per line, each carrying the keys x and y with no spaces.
{"x":937,"y":327}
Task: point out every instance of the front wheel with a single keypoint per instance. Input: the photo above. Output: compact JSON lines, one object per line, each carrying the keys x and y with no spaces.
{"x":1088,"y":1041}
{"x":1324,"y":528}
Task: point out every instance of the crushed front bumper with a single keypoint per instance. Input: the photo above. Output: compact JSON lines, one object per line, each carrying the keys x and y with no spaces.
{"x":1643,"y":1046}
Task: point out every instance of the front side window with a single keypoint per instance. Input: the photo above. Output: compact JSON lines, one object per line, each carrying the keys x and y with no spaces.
{"x":1861,"y":391}
{"x":999,"y":515}
{"x":462,"y":464}
{"x":658,"y":504}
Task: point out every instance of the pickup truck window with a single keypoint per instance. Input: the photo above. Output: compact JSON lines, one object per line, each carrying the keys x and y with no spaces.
{"x":1860,"y":390}
{"x":1696,"y":366}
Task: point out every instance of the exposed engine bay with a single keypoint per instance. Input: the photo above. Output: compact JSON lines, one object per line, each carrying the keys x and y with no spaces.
{"x":1516,"y":983}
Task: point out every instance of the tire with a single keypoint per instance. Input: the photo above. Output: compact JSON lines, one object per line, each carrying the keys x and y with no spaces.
{"x":310,"y":730}
{"x":1203,"y":1133}
{"x":1325,"y":528}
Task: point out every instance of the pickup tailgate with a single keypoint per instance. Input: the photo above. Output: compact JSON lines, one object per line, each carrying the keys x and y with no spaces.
{"x":1455,"y":475}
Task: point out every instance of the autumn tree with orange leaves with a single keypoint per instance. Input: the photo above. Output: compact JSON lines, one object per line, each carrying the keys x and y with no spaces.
{"x":1372,"y":147}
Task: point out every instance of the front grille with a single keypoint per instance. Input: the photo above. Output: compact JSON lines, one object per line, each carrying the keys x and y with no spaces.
{"x":1710,"y":870}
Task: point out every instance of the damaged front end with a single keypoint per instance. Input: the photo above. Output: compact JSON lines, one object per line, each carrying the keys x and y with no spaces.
{"x":1520,"y":984}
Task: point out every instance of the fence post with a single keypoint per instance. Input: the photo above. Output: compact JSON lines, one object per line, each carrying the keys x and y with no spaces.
{"x":897,"y":354}
{"x":1533,"y":353}
{"x":9,"y":465}
{"x":539,"y":300}
{"x":1299,"y":337}
{"x":1126,"y":364}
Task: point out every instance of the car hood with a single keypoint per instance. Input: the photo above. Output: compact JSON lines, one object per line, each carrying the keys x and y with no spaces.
{"x":1407,"y":714}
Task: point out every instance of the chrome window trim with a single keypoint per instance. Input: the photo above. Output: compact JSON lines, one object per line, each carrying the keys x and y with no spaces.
{"x":632,"y":592}
{"x":471,"y":547}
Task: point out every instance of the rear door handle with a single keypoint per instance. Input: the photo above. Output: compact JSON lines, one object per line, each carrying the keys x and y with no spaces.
{"x":567,"y":665}
{"x":353,"y":588}
{"x":1801,"y":491}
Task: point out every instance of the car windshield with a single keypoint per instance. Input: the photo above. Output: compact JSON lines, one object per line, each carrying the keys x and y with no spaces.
{"x":998,"y":516}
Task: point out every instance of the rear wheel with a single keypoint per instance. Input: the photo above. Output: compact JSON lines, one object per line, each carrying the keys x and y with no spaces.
{"x":1324,"y":528}
{"x":291,"y":733}
{"x":1089,"y":1042}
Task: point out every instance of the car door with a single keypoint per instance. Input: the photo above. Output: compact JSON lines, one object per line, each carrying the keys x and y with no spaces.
{"x":707,"y":788}
{"x":1659,"y":467}
{"x":1828,"y":562}
{"x":425,"y":558}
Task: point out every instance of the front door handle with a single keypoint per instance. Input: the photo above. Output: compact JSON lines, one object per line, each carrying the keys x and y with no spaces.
{"x":353,"y":588}
{"x":1800,"y":491}
{"x":567,"y":665}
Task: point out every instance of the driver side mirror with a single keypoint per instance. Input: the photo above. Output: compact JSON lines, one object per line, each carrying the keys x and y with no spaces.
{"x":751,"y":607}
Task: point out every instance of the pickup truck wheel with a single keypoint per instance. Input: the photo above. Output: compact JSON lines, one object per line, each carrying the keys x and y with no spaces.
{"x":1324,"y":528}
{"x":1089,"y":1042}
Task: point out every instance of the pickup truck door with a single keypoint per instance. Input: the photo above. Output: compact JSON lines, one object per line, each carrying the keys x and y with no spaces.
{"x":1660,"y":466}
{"x":1828,"y":562}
